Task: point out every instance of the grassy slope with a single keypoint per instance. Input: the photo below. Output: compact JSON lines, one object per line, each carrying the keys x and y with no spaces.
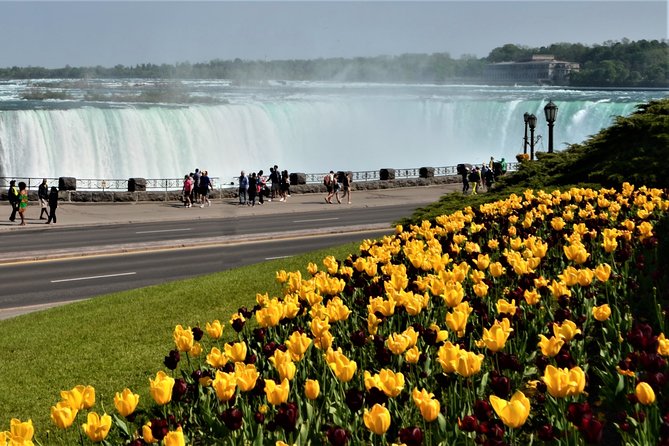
{"x":119,"y":340}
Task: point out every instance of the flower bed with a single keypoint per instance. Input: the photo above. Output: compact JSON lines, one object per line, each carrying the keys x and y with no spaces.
{"x":532,"y":318}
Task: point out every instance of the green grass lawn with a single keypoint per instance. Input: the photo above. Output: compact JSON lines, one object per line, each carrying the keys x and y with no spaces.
{"x":119,"y":340}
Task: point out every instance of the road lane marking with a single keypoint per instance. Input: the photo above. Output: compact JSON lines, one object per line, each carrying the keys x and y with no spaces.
{"x":315,"y":219}
{"x":277,"y":257}
{"x":93,"y":277}
{"x":163,"y":230}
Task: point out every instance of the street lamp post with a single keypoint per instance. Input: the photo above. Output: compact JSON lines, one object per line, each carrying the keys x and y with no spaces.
{"x":551,"y":113}
{"x":532,"y":122}
{"x":526,"y":117}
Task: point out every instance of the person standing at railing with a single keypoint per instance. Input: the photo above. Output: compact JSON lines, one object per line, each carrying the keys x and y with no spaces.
{"x":261,"y":186}
{"x":43,"y":195}
{"x":14,"y":200}
{"x":187,"y":191}
{"x":243,"y":188}
{"x":253,"y":189}
{"x":53,"y":204}
{"x":196,"y":186}
{"x":205,"y":185}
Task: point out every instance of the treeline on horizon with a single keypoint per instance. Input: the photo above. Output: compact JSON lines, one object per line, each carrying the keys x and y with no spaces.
{"x":623,"y":63}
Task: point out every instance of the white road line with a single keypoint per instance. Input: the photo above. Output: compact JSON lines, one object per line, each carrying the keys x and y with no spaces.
{"x":315,"y":219}
{"x":93,"y":277}
{"x":163,"y":230}
{"x":278,"y":257}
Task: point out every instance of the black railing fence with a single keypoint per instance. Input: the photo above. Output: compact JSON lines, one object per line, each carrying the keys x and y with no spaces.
{"x":171,"y":184}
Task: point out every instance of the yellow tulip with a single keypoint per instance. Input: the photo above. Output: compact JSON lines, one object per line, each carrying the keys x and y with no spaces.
{"x":216,"y":358}
{"x":469,"y":363}
{"x":453,"y":293}
{"x":276,"y":393}
{"x":183,"y":338}
{"x":480,"y":289}
{"x":62,"y":415}
{"x":412,"y":356}
{"x":246,"y":376}
{"x":343,"y":368}
{"x":495,"y":338}
{"x":567,"y":330}
{"x":576,"y":252}
{"x":236,"y":352}
{"x":644,"y":393}
{"x":559,"y":289}
{"x":312,"y":268}
{"x":312,"y":389}
{"x":214,"y":329}
{"x":97,"y":427}
{"x":175,"y":438}
{"x":513,"y":413}
{"x":224,"y":385}
{"x":482,"y":261}
{"x":319,"y":326}
{"x":126,"y":402}
{"x":284,"y":364}
{"x":496,"y":269}
{"x":21,"y":433}
{"x":196,"y":350}
{"x":147,"y":434}
{"x":398,"y":343}
{"x":161,"y":388}
{"x":391,"y":383}
{"x":563,"y":382}
{"x":377,"y":420}
{"x":448,"y":356}
{"x":532,"y":297}
{"x":602,"y":312}
{"x":505,"y":307}
{"x":270,"y":316}
{"x":80,"y":397}
{"x":297,"y":344}
{"x":430,"y":410}
{"x":550,"y":346}
{"x":662,"y":345}
{"x":603,"y":272}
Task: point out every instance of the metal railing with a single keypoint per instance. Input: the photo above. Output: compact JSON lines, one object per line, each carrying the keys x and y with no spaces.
{"x":171,"y":184}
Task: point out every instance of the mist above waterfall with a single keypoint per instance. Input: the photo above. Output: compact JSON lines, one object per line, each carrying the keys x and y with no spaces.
{"x":302,"y":127}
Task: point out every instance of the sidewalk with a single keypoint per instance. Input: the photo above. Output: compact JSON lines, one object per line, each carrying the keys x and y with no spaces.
{"x":86,"y":214}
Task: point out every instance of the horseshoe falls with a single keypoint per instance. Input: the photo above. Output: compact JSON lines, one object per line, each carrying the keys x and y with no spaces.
{"x":300,"y":126}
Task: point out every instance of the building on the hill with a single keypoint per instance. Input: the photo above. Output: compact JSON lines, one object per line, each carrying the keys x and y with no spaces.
{"x":542,"y":69}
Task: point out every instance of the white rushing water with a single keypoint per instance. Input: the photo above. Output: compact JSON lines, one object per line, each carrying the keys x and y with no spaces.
{"x":302,"y":127}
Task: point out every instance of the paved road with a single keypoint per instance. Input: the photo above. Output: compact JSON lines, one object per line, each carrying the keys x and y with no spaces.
{"x":162,"y":236}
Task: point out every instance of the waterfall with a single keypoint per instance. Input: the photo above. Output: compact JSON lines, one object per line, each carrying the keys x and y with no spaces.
{"x":308,"y":132}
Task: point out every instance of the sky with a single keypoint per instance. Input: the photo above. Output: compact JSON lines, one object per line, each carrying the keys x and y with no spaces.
{"x":54,"y":34}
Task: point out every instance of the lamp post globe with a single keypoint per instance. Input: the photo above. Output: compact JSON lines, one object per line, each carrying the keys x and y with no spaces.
{"x":532,"y":122}
{"x":550,"y":110}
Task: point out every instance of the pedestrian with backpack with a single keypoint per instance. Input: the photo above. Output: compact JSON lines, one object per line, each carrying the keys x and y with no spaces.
{"x":327,"y":182}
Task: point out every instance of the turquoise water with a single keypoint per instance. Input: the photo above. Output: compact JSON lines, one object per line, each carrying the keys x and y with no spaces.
{"x":99,"y":132}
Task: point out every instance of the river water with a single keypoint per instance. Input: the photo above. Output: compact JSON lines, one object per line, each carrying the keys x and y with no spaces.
{"x":143,"y":128}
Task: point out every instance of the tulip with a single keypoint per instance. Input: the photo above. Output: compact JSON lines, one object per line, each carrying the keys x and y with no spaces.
{"x":276,"y":393}
{"x":576,"y":252}
{"x":602,"y":312}
{"x":391,"y":383}
{"x":224,"y":385}
{"x":644,"y":393}
{"x":236,"y":352}
{"x":468,"y":364}
{"x":214,"y":329}
{"x":62,"y":415}
{"x":550,"y":346}
{"x":312,"y":389}
{"x":495,"y":338}
{"x":183,"y":338}
{"x":216,"y":358}
{"x":284,"y":364}
{"x":297,"y":344}
{"x":567,"y":330}
{"x":505,"y":307}
{"x":246,"y":376}
{"x":496,"y":269}
{"x":80,"y":397}
{"x":20,"y":433}
{"x":161,"y":388}
{"x":412,"y":356}
{"x":532,"y":297}
{"x":377,"y":420}
{"x":513,"y":413}
{"x":563,"y":382}
{"x":175,"y":438}
{"x":97,"y":426}
{"x":398,"y":343}
{"x":662,"y":345}
{"x":448,"y":356}
{"x":147,"y":434}
{"x":126,"y":402}
{"x":430,"y":409}
{"x":603,"y":272}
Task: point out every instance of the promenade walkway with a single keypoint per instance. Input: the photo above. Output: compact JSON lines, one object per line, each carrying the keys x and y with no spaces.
{"x":84,"y":214}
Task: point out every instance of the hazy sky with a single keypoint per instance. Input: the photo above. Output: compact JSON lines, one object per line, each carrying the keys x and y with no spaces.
{"x":87,"y":33}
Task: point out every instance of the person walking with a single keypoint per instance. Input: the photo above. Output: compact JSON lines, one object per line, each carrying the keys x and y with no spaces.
{"x":328,"y":182}
{"x":284,"y":186}
{"x":14,"y":200}
{"x":465,"y":181}
{"x":243,"y":188}
{"x":345,"y":180}
{"x":53,"y":204}
{"x":23,"y":202}
{"x":43,"y":196}
{"x":474,"y":179}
